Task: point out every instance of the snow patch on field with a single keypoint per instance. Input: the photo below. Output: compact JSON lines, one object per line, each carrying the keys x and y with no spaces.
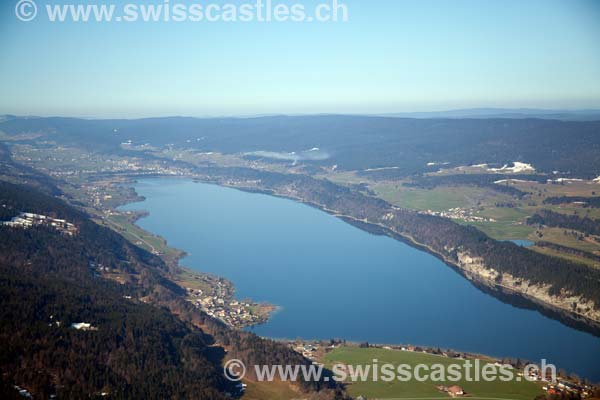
{"x":514,"y":180}
{"x":566,"y":180}
{"x":517,"y":167}
{"x":380,"y":169}
{"x":314,"y":154}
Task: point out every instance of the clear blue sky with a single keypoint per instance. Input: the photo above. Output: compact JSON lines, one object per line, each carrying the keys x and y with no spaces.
{"x":392,"y":56}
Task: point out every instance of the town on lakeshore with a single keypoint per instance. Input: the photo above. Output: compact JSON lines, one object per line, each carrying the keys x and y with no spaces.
{"x":300,"y":200}
{"x":215,"y":296}
{"x":505,"y":209}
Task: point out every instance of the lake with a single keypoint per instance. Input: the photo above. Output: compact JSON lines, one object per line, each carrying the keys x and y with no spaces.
{"x":523,"y":243}
{"x":333,"y":280}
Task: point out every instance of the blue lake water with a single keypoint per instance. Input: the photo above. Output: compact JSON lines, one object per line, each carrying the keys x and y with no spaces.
{"x":523,"y":243}
{"x":333,"y":280}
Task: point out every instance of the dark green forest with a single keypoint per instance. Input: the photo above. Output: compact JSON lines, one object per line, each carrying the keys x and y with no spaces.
{"x":587,"y":226}
{"x":440,"y":235}
{"x":147,"y":343}
{"x":593,"y":202}
{"x":350,"y":142}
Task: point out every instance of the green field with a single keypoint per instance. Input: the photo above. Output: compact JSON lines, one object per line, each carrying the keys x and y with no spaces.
{"x":438,"y":199}
{"x":509,"y":223}
{"x":422,"y":390}
{"x":140,"y":237}
{"x":575,"y":258}
{"x":503,"y":230}
{"x":557,"y":235}
{"x":504,"y":223}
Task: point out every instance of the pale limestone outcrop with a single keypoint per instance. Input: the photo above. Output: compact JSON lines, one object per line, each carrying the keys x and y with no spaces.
{"x":475,"y":269}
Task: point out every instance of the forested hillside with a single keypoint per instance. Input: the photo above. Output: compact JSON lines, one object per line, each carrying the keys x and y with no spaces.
{"x":143,"y":341}
{"x":553,"y":219}
{"x":48,"y":283}
{"x":586,"y":202}
{"x":350,"y":142}
{"x":440,"y":235}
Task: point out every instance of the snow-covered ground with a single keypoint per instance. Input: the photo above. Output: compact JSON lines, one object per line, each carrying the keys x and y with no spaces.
{"x":518,"y":167}
{"x":381,"y":169}
{"x":566,"y":180}
{"x":513,"y":180}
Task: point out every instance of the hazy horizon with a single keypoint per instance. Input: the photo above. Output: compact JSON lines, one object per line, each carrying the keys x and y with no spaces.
{"x":396,"y":57}
{"x":472,"y":112}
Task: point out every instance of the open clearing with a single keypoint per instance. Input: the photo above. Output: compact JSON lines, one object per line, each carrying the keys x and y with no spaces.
{"x":523,"y":390}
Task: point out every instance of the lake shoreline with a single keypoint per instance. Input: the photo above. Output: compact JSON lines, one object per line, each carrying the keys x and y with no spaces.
{"x":554,"y":311}
{"x":572,"y":319}
{"x":538,"y":294}
{"x":201,"y":286}
{"x":370,"y":228}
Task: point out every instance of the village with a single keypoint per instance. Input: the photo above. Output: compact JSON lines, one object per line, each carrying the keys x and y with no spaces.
{"x":458,"y":213}
{"x":216,"y":299}
{"x":59,"y":163}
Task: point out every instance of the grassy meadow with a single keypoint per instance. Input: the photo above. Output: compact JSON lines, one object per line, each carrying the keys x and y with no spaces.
{"x":414,"y":389}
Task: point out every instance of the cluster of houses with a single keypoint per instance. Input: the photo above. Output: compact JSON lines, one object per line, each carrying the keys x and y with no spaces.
{"x":98,"y":194}
{"x":27,"y":220}
{"x":308,"y":350}
{"x":139,"y":167}
{"x":232,"y":312}
{"x":562,"y":387}
{"x":453,"y":391}
{"x":460,"y":214}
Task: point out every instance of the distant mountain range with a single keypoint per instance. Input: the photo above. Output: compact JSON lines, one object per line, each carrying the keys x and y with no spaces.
{"x":565,"y":115}
{"x":483,"y":113}
{"x":406,"y":146}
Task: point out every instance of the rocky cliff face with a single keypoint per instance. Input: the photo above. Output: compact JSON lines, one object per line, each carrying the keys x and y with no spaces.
{"x":475,"y":269}
{"x":355,"y":207}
